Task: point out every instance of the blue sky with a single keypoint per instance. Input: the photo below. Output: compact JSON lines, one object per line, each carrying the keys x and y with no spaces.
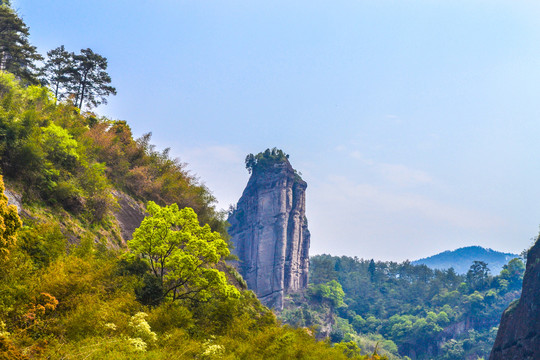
{"x":415,"y":123}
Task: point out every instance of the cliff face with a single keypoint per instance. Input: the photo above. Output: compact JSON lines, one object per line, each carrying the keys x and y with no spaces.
{"x":270,"y":234}
{"x":519,"y":332}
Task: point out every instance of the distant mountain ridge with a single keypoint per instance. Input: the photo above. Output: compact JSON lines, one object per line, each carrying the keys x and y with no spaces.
{"x":461,"y":259}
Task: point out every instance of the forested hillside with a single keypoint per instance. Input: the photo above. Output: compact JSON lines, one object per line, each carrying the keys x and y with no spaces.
{"x":71,"y":287}
{"x":410,"y":310}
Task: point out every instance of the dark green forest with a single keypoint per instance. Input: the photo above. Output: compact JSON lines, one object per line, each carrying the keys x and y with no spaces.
{"x":411,"y":310}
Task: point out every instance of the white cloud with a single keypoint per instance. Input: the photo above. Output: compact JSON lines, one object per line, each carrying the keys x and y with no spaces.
{"x":357,"y":155}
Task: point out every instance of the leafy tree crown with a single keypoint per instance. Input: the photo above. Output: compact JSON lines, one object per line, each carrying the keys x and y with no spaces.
{"x":182,"y":255}
{"x":265,"y":159}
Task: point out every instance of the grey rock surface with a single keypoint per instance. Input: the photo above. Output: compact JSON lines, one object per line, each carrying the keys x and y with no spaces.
{"x":270,"y":233}
{"x":129,"y":214}
{"x":14,"y":199}
{"x":518,"y":337}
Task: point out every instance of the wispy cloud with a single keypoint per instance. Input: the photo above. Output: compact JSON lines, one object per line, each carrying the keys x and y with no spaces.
{"x":371,"y":198}
{"x":221,"y":169}
{"x":403,"y":175}
{"x":221,"y":153}
{"x":397,"y":174}
{"x":377,"y":221}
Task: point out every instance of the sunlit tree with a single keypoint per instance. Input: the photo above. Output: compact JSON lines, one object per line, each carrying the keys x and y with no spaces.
{"x":181,"y":254}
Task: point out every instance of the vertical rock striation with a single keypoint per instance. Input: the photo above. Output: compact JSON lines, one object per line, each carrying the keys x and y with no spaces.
{"x":269,"y":231}
{"x":518,"y":337}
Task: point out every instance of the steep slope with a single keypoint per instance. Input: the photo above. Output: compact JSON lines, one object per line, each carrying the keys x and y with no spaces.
{"x":269,"y":231}
{"x":461,"y":259}
{"x":519,"y":333}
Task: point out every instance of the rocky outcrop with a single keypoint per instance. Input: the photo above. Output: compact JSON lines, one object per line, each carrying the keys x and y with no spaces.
{"x":129,"y":214}
{"x":519,"y":332}
{"x":270,"y":233}
{"x":14,"y":199}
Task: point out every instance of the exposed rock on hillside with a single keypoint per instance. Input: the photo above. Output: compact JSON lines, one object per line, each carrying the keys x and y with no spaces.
{"x":129,"y":214}
{"x":14,"y":199}
{"x":270,"y":233}
{"x":519,"y":333}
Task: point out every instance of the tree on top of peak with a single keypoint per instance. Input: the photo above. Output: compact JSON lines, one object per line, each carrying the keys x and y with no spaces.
{"x":269,"y":156}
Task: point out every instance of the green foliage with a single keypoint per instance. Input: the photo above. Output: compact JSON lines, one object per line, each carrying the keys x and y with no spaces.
{"x":478,"y":275}
{"x":350,"y":348}
{"x":85,"y":307}
{"x":81,"y":78}
{"x":72,"y":161}
{"x":88,"y":80}
{"x":413,"y":306}
{"x":512,"y":274}
{"x":39,"y":147}
{"x":265,"y":159}
{"x":43,"y":242}
{"x":136,"y":167}
{"x":452,"y":350}
{"x":9,"y":224}
{"x":16,"y":54}
{"x":171,"y":316}
{"x":182,"y":254}
{"x":79,"y":299}
{"x":331,"y":292}
{"x":56,"y":71}
{"x":59,"y":146}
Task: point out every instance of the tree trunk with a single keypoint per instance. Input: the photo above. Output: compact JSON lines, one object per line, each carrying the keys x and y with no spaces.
{"x":56,"y":92}
{"x":82,"y":91}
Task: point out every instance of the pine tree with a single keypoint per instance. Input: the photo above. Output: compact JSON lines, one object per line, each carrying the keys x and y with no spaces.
{"x":89,"y":80}
{"x":57,"y":70}
{"x":16,"y":54}
{"x":371,"y":270}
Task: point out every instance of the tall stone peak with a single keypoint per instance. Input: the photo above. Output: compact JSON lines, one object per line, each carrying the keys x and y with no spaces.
{"x":518,"y":337}
{"x":269,"y":228}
